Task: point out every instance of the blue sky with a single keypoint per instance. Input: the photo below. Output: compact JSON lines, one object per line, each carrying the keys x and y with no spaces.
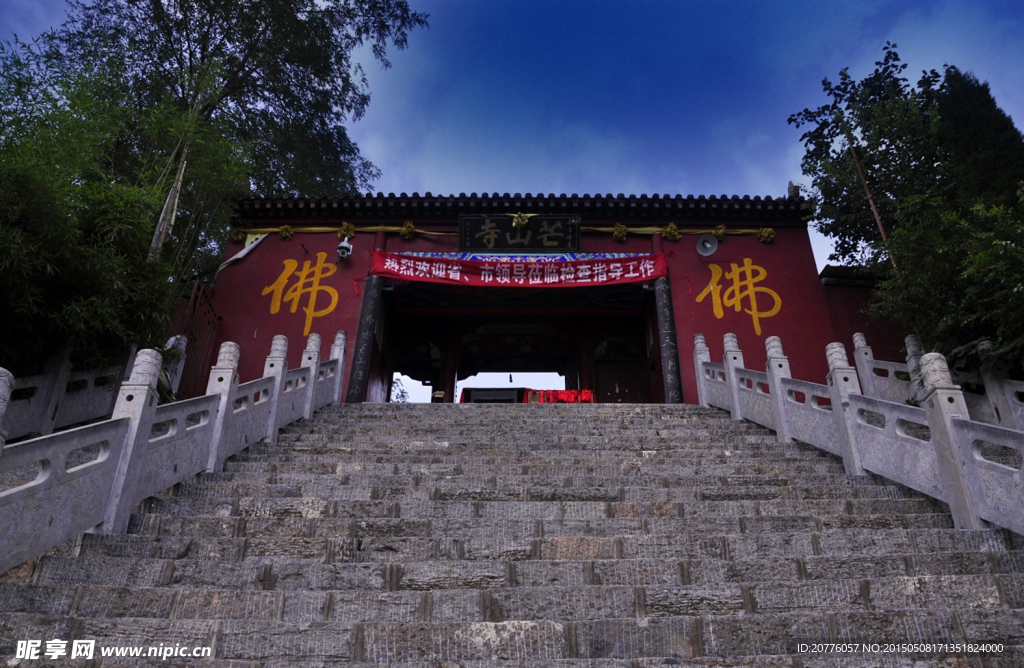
{"x":635,"y":97}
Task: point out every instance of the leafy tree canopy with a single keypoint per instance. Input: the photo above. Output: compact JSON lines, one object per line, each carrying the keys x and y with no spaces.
{"x":944,"y":166}
{"x":277,"y":75}
{"x":74,"y":239}
{"x":96,"y":119}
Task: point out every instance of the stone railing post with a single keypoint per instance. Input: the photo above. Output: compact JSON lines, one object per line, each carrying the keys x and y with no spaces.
{"x":6,"y":387}
{"x":914,"y":353}
{"x":777,"y":368}
{"x":137,"y":401}
{"x":338,"y":353}
{"x":223,"y":381}
{"x":732,"y":361}
{"x":863,"y":359}
{"x":842,"y":382}
{"x":276,"y":366}
{"x":944,"y":401}
{"x":58,"y":370}
{"x":177,"y":343}
{"x":701,"y":354}
{"x":127,"y":363}
{"x":996,"y":391}
{"x":311,"y":358}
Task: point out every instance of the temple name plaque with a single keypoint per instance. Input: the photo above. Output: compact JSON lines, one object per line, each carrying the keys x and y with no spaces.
{"x":536,"y":233}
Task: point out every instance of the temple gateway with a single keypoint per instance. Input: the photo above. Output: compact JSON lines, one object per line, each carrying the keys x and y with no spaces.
{"x":605,"y":290}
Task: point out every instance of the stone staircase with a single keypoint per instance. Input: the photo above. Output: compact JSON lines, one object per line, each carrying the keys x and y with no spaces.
{"x":529,"y":535}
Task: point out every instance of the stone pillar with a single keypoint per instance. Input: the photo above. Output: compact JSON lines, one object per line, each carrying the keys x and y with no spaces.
{"x":733,"y":360}
{"x":701,"y":354}
{"x":864,"y":359}
{"x":777,"y":368}
{"x":943,"y":401}
{"x":572,"y":373}
{"x":137,"y":401}
{"x":368,"y":317}
{"x":667,"y":339}
{"x":223,"y":381}
{"x":586,"y":364}
{"x":276,"y":366}
{"x":58,"y":370}
{"x":311,"y":359}
{"x":842,"y":382}
{"x":996,"y":391}
{"x":338,"y":353}
{"x":449,"y":370}
{"x":6,"y":387}
{"x":914,"y":353}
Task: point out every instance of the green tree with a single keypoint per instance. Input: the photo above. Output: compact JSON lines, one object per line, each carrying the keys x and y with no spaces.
{"x":286,"y":82}
{"x":943,"y":164}
{"x":892,"y":129}
{"x":73,"y":238}
{"x":275,"y":79}
{"x":97,"y":118}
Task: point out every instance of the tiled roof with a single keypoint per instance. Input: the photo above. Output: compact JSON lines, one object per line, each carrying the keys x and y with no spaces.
{"x":779,"y":210}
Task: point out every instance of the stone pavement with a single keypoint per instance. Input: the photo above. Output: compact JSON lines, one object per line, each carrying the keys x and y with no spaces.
{"x":529,"y":535}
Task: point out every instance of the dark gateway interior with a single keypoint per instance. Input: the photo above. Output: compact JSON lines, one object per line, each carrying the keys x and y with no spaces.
{"x":600,"y":338}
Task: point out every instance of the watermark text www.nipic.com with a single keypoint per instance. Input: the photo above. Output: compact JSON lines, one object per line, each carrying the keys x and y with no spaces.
{"x":31,"y":650}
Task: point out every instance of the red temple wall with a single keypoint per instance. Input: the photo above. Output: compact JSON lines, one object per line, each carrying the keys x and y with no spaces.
{"x":802,"y":321}
{"x":245,"y":311}
{"x":847,"y":307}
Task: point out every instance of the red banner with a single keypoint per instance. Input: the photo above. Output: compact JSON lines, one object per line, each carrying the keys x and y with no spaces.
{"x":633,"y":269}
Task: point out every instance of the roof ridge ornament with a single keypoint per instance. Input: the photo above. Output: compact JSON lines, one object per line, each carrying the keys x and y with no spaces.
{"x":519,"y":220}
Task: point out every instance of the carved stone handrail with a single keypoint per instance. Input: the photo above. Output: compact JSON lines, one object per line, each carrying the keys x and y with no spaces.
{"x":146,"y":448}
{"x":937,"y":449}
{"x":811,"y":420}
{"x":891,"y":449}
{"x":998,"y":488}
{"x":57,"y":504}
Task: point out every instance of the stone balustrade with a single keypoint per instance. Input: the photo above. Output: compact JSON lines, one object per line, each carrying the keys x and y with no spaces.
{"x":87,"y":479}
{"x":61,"y":397}
{"x":862,"y":415}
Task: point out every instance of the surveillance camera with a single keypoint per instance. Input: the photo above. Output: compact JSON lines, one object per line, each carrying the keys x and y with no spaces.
{"x":344,"y":249}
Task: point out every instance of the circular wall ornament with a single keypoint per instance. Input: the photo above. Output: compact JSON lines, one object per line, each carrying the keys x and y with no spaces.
{"x":707,"y":244}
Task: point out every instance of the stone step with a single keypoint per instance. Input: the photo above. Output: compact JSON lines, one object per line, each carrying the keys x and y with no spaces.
{"x":447,"y":465}
{"x":505,"y":549}
{"x":441,"y":575}
{"x":484,"y":476}
{"x":312,"y":575}
{"x":360,"y":505}
{"x":230,"y":639}
{"x":669,"y":446}
{"x":521,"y":432}
{"x":683,"y":637}
{"x":661,"y":442}
{"x":464,"y":412}
{"x":532,"y":642}
{"x":409,"y":449}
{"x":508,"y":546}
{"x":334,"y":487}
{"x":956,"y":592}
{"x":237,"y":527}
{"x":1012,"y":657}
